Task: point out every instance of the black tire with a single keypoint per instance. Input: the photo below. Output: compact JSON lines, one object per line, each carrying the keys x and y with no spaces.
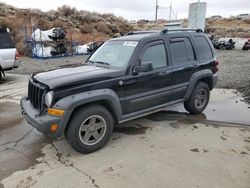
{"x":191,"y":105}
{"x":85,"y":115}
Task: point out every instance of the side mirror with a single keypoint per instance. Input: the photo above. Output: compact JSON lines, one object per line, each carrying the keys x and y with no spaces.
{"x":143,"y":67}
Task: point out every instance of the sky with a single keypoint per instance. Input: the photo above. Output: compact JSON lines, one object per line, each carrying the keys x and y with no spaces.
{"x":139,"y":9}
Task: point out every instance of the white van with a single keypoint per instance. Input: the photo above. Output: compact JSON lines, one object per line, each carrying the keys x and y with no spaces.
{"x":8,"y":53}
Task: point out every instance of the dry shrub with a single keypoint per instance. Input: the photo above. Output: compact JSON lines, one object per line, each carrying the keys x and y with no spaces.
{"x":87,"y":28}
{"x":247,"y":21}
{"x":84,"y":26}
{"x":66,"y":10}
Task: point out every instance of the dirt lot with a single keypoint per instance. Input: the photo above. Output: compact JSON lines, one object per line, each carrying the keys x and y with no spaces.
{"x":234,"y":69}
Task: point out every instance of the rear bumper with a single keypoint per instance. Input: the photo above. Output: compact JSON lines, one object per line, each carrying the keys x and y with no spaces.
{"x":43,"y":122}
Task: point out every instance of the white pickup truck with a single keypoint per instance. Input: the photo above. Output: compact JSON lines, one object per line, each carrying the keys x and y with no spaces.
{"x":8,"y":53}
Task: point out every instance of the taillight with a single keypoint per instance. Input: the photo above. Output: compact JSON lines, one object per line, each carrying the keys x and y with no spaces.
{"x":17,"y":56}
{"x":215,"y":67}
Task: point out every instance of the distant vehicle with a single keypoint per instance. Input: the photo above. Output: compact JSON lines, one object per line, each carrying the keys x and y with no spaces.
{"x":132,"y":21}
{"x":126,"y":78}
{"x":223,"y":45}
{"x":94,"y":46}
{"x":8,"y":53}
{"x":244,"y":16}
{"x":216,"y":17}
{"x":246,"y":45}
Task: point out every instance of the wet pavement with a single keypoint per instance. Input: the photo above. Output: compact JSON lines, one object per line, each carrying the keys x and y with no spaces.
{"x":20,"y":144}
{"x":225,"y":106}
{"x":152,"y":140}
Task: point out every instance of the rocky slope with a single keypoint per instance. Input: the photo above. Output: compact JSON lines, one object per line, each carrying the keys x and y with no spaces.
{"x":84,"y":26}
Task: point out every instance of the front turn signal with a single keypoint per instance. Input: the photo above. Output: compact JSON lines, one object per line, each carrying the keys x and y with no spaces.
{"x":53,"y":127}
{"x":55,"y":112}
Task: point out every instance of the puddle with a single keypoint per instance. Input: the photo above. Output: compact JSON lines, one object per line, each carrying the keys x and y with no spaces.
{"x":224,"y":106}
{"x":131,"y":130}
{"x":20,"y":144}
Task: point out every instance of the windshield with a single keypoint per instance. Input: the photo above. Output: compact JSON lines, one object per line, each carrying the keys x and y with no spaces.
{"x":114,"y":53}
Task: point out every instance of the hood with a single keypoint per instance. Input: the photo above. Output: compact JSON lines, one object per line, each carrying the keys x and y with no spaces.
{"x":81,"y":74}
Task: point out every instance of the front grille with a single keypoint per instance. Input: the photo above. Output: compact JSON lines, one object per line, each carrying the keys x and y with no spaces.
{"x":36,"y":94}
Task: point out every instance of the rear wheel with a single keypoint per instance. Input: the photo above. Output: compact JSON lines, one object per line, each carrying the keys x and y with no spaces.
{"x":90,"y":129}
{"x":199,"y":99}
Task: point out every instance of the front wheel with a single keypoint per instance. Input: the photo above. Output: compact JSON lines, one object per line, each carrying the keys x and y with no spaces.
{"x":199,"y":99}
{"x":90,"y":129}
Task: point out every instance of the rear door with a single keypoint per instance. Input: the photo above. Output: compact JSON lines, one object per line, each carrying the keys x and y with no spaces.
{"x":7,"y":51}
{"x":149,"y":89}
{"x":184,"y":62}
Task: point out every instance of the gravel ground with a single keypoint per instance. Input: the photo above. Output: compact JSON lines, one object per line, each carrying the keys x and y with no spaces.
{"x":29,"y":65}
{"x":234,"y":69}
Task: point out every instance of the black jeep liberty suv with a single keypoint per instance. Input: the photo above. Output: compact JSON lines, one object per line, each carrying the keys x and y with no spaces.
{"x":126,"y":78}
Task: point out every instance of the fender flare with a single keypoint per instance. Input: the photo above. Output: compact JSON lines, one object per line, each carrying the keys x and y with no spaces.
{"x":109,"y":96}
{"x":70,"y":103}
{"x":195,"y":78}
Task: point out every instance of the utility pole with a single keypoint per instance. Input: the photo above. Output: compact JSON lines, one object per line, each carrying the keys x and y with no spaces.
{"x":170,"y":11}
{"x":156,"y":11}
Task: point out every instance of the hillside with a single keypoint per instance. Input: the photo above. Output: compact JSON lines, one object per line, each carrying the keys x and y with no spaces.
{"x":84,"y":26}
{"x":229,"y":27}
{"x":87,"y":26}
{"x":221,"y":27}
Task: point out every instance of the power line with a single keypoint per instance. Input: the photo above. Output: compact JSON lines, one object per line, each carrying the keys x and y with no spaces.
{"x":172,"y":13}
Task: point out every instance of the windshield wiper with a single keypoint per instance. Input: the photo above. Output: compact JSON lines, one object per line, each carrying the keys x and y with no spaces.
{"x":98,"y":62}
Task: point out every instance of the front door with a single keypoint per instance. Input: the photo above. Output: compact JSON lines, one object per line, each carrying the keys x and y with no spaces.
{"x":149,"y":89}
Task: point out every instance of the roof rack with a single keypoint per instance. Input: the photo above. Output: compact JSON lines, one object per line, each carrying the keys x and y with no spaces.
{"x":140,"y":32}
{"x":164,"y":31}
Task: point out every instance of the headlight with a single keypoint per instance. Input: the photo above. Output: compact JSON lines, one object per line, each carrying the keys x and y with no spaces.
{"x":49,"y":98}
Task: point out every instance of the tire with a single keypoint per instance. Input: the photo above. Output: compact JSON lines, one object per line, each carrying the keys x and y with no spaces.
{"x":90,"y":128}
{"x":199,"y":99}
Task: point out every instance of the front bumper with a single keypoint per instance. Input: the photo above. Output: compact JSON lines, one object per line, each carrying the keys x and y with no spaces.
{"x":43,"y":122}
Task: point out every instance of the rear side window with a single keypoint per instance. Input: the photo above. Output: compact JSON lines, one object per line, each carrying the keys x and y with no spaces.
{"x":182,"y":50}
{"x":155,"y":55}
{"x":203,"y":47}
{"x":179,"y":52}
{"x":5,"y":41}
